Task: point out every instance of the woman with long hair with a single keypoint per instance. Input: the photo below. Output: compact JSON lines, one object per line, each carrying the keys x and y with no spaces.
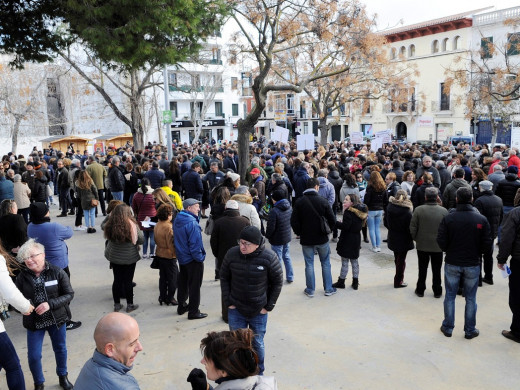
{"x":477,"y":175}
{"x":231,"y":362}
{"x":87,"y":192}
{"x":9,"y":360}
{"x":408,"y":182}
{"x":122,"y":250}
{"x":376,"y":200}
{"x":397,"y":219}
{"x":143,"y":206}
{"x":161,"y":198}
{"x":165,"y":255}
{"x":174,"y":174}
{"x":222,"y":195}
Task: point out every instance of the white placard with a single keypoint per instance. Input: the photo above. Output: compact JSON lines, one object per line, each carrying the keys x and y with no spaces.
{"x":305,"y":141}
{"x":281,"y":134}
{"x":356,"y":138}
{"x":376,"y":144}
{"x":515,"y":137}
{"x":385,"y":136}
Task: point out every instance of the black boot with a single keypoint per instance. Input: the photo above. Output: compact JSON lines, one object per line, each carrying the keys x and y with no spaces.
{"x":64,"y":383}
{"x":339,"y":284}
{"x":355,"y":283}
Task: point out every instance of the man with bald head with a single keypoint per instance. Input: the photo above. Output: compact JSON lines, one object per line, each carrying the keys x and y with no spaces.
{"x":117,"y":344}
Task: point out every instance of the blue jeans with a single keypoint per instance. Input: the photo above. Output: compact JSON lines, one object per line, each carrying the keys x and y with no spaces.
{"x":90,"y":217}
{"x":285,"y":259}
{"x":373,"y":222}
{"x":324,"y":254}
{"x":258,"y":324}
{"x":148,"y":236}
{"x":11,"y":364}
{"x":117,"y":195}
{"x":452,"y":275}
{"x":34,"y":351}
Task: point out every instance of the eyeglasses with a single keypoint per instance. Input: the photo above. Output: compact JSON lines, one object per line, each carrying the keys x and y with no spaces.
{"x":33,"y":256}
{"x":244,"y":243}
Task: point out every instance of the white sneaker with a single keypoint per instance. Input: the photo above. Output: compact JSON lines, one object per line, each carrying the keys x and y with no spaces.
{"x":378,"y":249}
{"x":80,"y":228}
{"x":373,"y":249}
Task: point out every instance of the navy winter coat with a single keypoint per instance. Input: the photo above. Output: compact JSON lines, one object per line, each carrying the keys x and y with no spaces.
{"x":192,"y":185}
{"x":300,"y":181}
{"x":278,"y":230}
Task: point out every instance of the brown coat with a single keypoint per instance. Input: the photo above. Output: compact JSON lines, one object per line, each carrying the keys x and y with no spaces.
{"x":163,"y":236}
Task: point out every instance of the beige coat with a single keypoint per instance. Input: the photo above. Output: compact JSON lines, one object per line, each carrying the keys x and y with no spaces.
{"x":22,"y":195}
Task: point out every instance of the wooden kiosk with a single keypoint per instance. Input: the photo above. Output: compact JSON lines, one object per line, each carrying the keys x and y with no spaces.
{"x":62,"y":142}
{"x":115,"y":140}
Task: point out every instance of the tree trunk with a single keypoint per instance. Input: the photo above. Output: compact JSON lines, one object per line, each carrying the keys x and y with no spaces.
{"x":137,"y":127}
{"x":16,"y":130}
{"x":324,"y":131}
{"x":244,"y":131}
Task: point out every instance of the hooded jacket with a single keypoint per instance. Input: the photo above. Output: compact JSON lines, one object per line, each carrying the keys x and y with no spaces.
{"x":251,"y":282}
{"x":300,"y":181}
{"x":246,"y":208}
{"x":327,"y":190}
{"x":278,"y":230}
{"x":143,"y":206}
{"x":187,"y":236}
{"x":397,"y":219}
{"x":350,"y":238}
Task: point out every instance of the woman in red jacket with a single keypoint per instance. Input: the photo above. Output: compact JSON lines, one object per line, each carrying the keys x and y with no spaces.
{"x":143,"y":205}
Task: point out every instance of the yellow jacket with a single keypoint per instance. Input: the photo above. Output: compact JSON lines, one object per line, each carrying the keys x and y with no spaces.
{"x":176,"y":199}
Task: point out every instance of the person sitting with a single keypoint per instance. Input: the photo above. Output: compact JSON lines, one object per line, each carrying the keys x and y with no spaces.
{"x":231,"y":361}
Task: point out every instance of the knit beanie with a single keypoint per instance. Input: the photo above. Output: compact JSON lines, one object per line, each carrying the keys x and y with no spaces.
{"x":251,"y":234}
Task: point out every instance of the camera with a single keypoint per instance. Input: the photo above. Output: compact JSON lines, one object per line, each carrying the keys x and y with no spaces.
{"x":4,"y":315}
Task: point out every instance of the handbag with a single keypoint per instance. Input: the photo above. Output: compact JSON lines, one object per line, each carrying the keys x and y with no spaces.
{"x":210,"y":223}
{"x":155,"y":263}
{"x":324,"y":224}
{"x":94,"y":202}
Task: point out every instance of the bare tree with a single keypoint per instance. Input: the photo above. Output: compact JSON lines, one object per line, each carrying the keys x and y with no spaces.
{"x":21,"y":96}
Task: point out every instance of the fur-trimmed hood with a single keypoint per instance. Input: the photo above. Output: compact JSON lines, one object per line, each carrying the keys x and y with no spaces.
{"x":243,"y":198}
{"x":401,"y":203}
{"x":360,"y":211}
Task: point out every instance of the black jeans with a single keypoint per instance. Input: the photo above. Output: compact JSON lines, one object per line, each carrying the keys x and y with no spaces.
{"x":168,"y":276}
{"x":101,"y":195}
{"x":190,"y":280}
{"x":123,"y":276}
{"x":79,"y":215}
{"x":487,"y":262}
{"x":65,"y":200}
{"x":436,"y":264}
{"x":400,"y":266}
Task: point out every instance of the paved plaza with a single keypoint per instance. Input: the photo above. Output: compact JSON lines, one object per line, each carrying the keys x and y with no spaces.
{"x":375,"y":338}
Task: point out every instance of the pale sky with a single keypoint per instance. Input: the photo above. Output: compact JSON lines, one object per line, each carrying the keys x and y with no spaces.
{"x":412,"y":11}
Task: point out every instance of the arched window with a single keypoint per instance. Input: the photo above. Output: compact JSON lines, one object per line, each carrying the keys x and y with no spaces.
{"x":435,"y":46}
{"x":411,"y":51}
{"x":402,"y":51}
{"x":393,"y":53}
{"x":445,"y":44}
{"x":456,"y":41}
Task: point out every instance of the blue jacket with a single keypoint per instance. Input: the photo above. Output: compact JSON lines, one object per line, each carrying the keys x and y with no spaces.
{"x":156,"y":177}
{"x":278,"y":230}
{"x":192,"y":185}
{"x":187,"y":237}
{"x":6,"y":189}
{"x":52,"y":236}
{"x":327,"y":190}
{"x":300,"y":181}
{"x":102,"y":372}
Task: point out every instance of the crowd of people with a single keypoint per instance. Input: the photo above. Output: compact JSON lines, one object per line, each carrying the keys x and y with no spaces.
{"x":448,"y":201}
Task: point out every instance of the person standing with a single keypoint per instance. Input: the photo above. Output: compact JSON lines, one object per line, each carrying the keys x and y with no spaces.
{"x":48,"y":287}
{"x":143,"y":206}
{"x":22,"y":197}
{"x":376,"y":200}
{"x":190,"y":251}
{"x":87,"y":193}
{"x":306,"y":222}
{"x":251,"y":280}
{"x":63,"y":185}
{"x":427,"y":167}
{"x":450,"y":193}
{"x":9,"y":360}
{"x":116,"y":179}
{"x":397,"y":219}
{"x":278,"y":231}
{"x":510,"y":246}
{"x":192,"y":183}
{"x":117,"y":344}
{"x":464,"y":235}
{"x":224,"y":236}
{"x":98,"y":175}
{"x":490,"y":206}
{"x":423,"y":228}
{"x":155,"y":176}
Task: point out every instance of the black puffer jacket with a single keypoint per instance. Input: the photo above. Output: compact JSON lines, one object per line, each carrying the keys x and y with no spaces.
{"x":350,"y":238}
{"x":192,"y":185}
{"x":375,"y":200}
{"x":251,"y":282}
{"x":306,"y":223}
{"x":39,"y":190}
{"x":278,"y":230}
{"x":510,"y":239}
{"x":398,"y":217}
{"x":59,"y":295}
{"x":226,"y":232}
{"x":337,"y":182}
{"x":490,"y":206}
{"x":464,"y":235}
{"x":507,"y":188}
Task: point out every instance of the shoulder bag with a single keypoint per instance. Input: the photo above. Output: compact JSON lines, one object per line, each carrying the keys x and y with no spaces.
{"x":324,"y":224}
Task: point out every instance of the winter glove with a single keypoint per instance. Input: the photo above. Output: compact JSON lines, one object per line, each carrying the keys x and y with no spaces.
{"x":197,"y":378}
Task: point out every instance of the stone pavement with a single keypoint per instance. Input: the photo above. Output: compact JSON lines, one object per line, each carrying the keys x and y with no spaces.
{"x":375,"y":338}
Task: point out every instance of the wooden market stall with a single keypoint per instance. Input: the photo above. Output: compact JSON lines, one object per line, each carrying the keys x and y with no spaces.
{"x":115,"y":140}
{"x":62,"y":142}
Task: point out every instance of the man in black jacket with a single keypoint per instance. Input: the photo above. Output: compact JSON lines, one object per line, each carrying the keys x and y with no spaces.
{"x":116,"y":179}
{"x":490,"y":206}
{"x":306,"y":222}
{"x":510,"y":246}
{"x":251,"y":280}
{"x":464,"y":235}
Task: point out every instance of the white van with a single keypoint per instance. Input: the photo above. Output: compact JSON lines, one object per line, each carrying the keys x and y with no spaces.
{"x":466,"y":139}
